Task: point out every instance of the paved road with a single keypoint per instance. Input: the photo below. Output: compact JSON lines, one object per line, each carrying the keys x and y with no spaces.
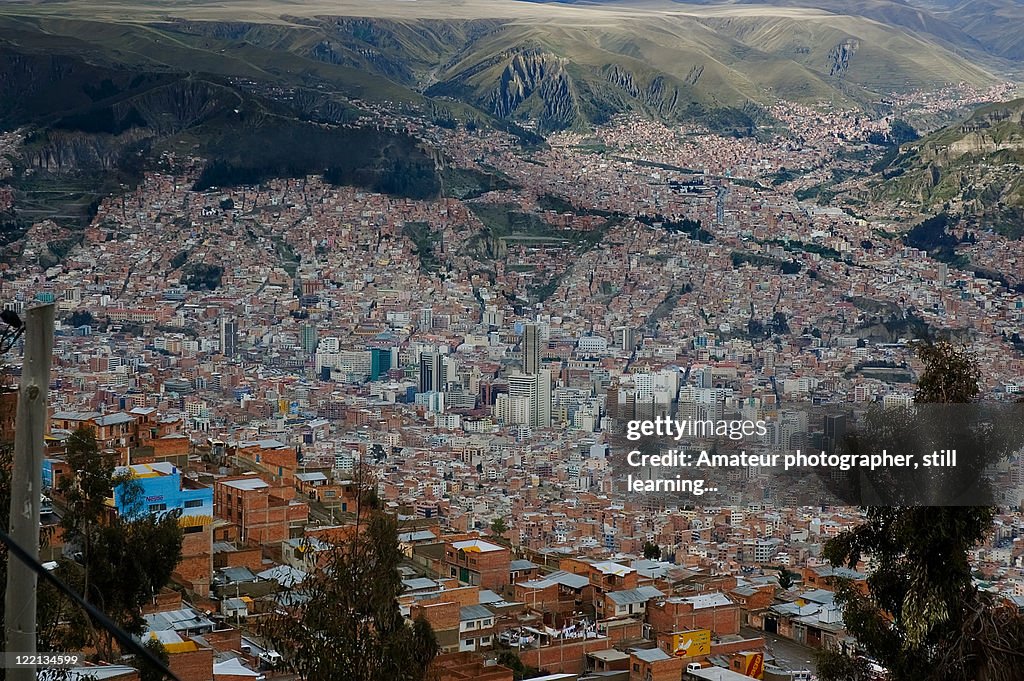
{"x":788,"y":654}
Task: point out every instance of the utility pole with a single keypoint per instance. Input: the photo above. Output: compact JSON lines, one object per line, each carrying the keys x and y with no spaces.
{"x":26,"y":485}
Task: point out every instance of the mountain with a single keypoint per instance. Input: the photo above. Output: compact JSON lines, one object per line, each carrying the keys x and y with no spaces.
{"x":986,"y":30}
{"x":983,"y":29}
{"x":995,"y":24}
{"x":263,"y":88}
{"x":92,"y":128}
{"x":556,"y":65}
{"x":974,"y":168}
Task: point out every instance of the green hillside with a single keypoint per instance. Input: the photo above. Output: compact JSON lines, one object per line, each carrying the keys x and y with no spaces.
{"x":556,"y":66}
{"x":974,"y":168}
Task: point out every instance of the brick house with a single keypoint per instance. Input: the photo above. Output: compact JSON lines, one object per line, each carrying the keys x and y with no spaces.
{"x":476,"y":628}
{"x":264,"y":515}
{"x":712,"y":611}
{"x":654,"y":664}
{"x":466,"y":667}
{"x":477,"y":562}
{"x":444,"y":619}
{"x":628,"y":602}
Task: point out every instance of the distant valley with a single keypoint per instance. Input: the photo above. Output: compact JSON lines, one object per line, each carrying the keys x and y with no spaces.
{"x":271,"y":89}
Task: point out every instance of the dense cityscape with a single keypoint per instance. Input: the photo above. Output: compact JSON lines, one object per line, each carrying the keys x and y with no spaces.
{"x":258,"y":357}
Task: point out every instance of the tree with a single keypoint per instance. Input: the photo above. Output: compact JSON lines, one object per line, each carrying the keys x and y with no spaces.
{"x":779,"y":323}
{"x":60,"y":624}
{"x":951,"y":374}
{"x":922,"y":617}
{"x":786,"y":578}
{"x":498,"y":527}
{"x":80,"y":318}
{"x":147,"y":672}
{"x":508,"y":658}
{"x":845,"y":667}
{"x":85,"y":494}
{"x":124,"y":559}
{"x":130,"y":561}
{"x":346,"y":622}
{"x":652,"y":551}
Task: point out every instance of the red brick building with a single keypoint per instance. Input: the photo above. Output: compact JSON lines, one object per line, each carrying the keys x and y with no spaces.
{"x":477,"y":562}
{"x":444,"y":620}
{"x":264,"y":515}
{"x":654,"y":664}
{"x":196,"y":564}
{"x":466,"y":667}
{"x":274,"y":460}
{"x":713,"y":611}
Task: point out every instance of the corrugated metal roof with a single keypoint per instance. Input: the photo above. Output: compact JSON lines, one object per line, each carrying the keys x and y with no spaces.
{"x":715,"y":600}
{"x":610,"y":568}
{"x":474,"y":612}
{"x":564,"y":578}
{"x":639,"y":595}
{"x":521,"y":565}
{"x":246,"y":483}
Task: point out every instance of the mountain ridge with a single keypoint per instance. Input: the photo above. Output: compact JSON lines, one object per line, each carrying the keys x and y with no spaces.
{"x":974,"y":169}
{"x":575,"y":68}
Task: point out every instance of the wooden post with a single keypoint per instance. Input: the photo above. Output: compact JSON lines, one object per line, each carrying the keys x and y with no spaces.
{"x":27,"y":484}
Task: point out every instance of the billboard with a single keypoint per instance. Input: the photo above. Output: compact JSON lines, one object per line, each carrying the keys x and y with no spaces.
{"x":754,"y":665}
{"x":692,"y":643}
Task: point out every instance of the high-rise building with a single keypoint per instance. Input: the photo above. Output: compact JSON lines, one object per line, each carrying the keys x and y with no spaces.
{"x":512,"y":410}
{"x":380,"y":362}
{"x":835,"y":432}
{"x":536,"y":390}
{"x":530,"y":345}
{"x":492,"y":317}
{"x":309,"y":337}
{"x":625,"y":338}
{"x":432,"y":372}
{"x":543,"y":408}
{"x":228,"y":337}
{"x":329,"y":344}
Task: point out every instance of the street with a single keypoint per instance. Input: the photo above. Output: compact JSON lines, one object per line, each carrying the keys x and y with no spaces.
{"x":788,"y":654}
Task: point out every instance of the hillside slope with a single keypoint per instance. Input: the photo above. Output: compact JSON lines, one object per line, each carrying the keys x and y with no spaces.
{"x":556,"y":66}
{"x":974,"y":168}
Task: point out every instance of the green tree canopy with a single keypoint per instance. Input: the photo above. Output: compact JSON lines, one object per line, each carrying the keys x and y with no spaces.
{"x":123,"y":560}
{"x":786,"y":578}
{"x":498,"y":527}
{"x":652,"y":551}
{"x":147,"y":671}
{"x":922,"y":617}
{"x":346,"y":622}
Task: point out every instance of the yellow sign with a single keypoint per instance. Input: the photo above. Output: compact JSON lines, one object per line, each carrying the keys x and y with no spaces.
{"x":195,"y":520}
{"x":692,"y":643}
{"x":755,"y":665}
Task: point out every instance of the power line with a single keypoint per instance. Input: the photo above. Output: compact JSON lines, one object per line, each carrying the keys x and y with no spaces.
{"x":121,"y":636}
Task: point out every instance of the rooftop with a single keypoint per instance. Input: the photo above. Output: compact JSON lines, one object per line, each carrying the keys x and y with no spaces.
{"x":651,"y":654}
{"x":564,"y":578}
{"x":148,"y":470}
{"x":610,"y":568}
{"x":246,"y":483}
{"x":474,"y":612}
{"x":476,"y":546}
{"x":639,"y":595}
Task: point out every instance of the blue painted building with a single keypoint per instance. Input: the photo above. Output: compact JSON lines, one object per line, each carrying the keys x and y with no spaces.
{"x":163,"y":489}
